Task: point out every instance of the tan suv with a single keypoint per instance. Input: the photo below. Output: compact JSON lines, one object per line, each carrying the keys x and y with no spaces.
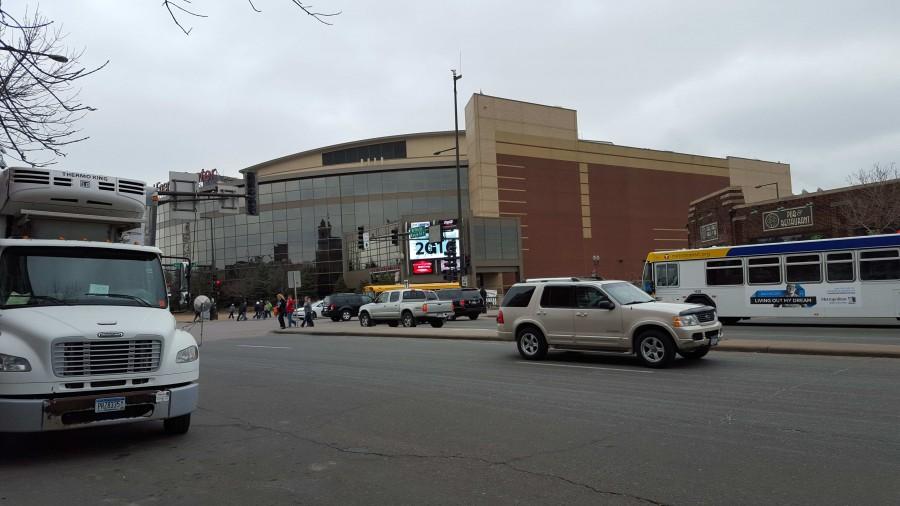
{"x":610,"y":316}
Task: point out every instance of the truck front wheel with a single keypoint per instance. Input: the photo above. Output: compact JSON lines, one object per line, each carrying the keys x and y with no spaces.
{"x":178,"y":425}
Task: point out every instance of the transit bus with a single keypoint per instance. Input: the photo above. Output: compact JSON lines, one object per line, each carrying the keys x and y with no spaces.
{"x":848,"y":277}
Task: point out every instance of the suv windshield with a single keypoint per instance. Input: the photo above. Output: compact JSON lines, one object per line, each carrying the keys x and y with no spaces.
{"x":626,"y":293}
{"x":32,"y":276}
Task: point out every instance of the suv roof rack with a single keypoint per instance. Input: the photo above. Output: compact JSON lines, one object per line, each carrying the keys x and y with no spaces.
{"x":570,"y":278}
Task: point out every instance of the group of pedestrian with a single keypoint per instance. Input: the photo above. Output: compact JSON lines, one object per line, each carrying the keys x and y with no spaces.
{"x":283,"y":309}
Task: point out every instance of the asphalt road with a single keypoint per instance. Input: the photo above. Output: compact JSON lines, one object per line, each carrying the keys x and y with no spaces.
{"x":288,"y":419}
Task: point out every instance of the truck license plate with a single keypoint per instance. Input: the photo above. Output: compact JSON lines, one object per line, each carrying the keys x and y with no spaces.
{"x":109,"y":404}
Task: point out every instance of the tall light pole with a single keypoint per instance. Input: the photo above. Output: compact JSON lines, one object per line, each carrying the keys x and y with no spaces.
{"x":459,"y":215}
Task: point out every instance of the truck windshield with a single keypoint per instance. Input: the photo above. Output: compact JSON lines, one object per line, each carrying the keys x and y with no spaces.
{"x":31,"y":276}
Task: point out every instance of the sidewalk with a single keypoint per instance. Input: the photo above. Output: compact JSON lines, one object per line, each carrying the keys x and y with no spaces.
{"x":741,"y":345}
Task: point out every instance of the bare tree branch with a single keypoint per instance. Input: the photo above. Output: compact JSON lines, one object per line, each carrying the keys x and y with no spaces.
{"x":873,"y":206}
{"x":39,"y":103}
{"x":321,"y":17}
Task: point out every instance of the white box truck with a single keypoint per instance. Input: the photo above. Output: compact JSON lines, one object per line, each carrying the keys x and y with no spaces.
{"x":86,"y":337}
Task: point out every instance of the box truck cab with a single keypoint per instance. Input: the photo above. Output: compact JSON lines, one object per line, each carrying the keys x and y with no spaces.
{"x":86,"y":337}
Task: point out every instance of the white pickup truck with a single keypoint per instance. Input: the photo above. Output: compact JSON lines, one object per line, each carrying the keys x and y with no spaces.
{"x":407,"y":308}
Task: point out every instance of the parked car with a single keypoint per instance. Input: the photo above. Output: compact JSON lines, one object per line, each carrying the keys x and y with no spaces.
{"x":610,"y":316}
{"x":406,"y":307}
{"x":316,"y":310}
{"x":466,"y":301}
{"x":343,"y":306}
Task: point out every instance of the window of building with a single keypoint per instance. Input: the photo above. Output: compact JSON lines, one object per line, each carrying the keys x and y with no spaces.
{"x":839,"y":267}
{"x":667,"y":274}
{"x":384,"y":150}
{"x":724,"y":272}
{"x":879,"y":265}
{"x":558,"y":296}
{"x":764,"y":271}
{"x":803,"y":268}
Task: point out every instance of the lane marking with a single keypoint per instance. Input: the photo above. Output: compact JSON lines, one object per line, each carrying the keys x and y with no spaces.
{"x":259,"y":346}
{"x":586,"y":367}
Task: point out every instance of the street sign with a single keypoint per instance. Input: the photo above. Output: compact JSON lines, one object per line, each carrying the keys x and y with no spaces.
{"x":365,"y":240}
{"x":294,"y":279}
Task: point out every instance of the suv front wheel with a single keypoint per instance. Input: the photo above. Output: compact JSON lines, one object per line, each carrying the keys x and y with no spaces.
{"x":655,"y":349}
{"x":531,"y":343}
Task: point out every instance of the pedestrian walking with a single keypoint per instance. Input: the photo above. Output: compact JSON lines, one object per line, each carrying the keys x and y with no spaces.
{"x":289,"y":308}
{"x":267,"y":310}
{"x":307,"y":313}
{"x":242,"y":311}
{"x":231,"y":309}
{"x":280,"y":309}
{"x":258,"y":309}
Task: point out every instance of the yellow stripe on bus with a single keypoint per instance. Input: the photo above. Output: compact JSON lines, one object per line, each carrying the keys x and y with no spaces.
{"x":687,"y":254}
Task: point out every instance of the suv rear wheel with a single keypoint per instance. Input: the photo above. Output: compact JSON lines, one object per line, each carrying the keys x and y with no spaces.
{"x":346,"y":315}
{"x":655,"y":349}
{"x":531,"y":343}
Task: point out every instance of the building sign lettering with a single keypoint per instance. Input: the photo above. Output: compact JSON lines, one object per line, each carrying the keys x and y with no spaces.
{"x":788,"y":218}
{"x":709,"y":232}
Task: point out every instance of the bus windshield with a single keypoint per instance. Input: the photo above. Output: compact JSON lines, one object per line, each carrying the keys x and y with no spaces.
{"x":31,"y":276}
{"x":626,"y":293}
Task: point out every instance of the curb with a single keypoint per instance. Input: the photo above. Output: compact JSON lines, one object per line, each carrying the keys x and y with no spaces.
{"x":732,"y":345}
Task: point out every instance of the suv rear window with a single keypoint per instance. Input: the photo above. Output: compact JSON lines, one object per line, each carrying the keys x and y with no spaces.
{"x":518,"y":296}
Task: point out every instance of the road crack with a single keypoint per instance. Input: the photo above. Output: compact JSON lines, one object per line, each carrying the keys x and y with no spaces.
{"x":245,"y":424}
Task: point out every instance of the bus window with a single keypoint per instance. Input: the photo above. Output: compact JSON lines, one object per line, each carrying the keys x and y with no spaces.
{"x":764,"y":271}
{"x":802,"y":269}
{"x":666,"y":275}
{"x":879,"y":265}
{"x":724,"y":272}
{"x":839,"y":267}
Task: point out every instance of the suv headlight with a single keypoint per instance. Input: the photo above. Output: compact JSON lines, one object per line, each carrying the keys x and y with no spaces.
{"x":188,"y":354}
{"x":685,"y":321}
{"x":10,"y":363}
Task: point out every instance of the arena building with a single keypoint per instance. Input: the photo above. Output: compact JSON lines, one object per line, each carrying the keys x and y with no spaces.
{"x":536,"y":201}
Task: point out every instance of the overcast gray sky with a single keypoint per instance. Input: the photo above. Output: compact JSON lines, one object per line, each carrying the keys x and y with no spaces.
{"x":812,"y":83}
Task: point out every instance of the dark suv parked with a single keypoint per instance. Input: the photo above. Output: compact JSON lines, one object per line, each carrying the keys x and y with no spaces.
{"x":466,"y":301}
{"x":343,"y":306}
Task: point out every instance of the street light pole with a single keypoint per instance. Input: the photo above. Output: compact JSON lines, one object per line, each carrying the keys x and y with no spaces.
{"x":459,"y":215}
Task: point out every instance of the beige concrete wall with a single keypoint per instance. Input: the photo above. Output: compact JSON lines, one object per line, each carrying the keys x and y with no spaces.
{"x":747,"y":174}
{"x":419,"y":148}
{"x":487,"y":118}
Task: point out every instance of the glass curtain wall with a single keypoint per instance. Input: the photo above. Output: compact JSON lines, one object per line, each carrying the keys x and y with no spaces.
{"x":301,"y":226}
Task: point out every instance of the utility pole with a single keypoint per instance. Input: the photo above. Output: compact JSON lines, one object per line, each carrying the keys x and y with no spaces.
{"x":459,"y":215}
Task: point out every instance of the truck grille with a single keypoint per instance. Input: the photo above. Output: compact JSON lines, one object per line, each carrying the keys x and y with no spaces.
{"x":92,"y":358}
{"x":706,"y":316}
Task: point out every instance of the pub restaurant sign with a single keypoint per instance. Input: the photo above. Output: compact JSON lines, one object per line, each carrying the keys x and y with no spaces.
{"x":788,"y":218}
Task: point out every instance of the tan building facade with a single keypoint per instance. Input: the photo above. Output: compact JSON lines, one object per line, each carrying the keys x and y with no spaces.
{"x":539,"y":201}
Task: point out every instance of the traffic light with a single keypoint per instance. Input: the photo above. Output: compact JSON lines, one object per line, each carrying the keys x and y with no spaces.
{"x":359,"y":237}
{"x":251,"y":189}
{"x":395,"y":236}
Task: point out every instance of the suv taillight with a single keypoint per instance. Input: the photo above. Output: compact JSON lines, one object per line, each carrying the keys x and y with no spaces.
{"x":332,"y":307}
{"x":500,"y":316}
{"x":462,"y":302}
